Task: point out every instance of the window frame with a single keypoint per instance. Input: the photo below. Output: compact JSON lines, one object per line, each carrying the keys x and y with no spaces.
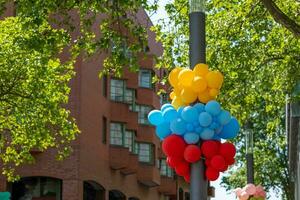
{"x":123,"y":90}
{"x":132,"y":146}
{"x":122,"y":133}
{"x":151,"y":153}
{"x":150,"y":86}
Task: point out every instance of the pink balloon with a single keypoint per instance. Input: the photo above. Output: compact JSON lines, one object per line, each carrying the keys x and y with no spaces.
{"x":263,"y":194}
{"x":244,"y":195}
{"x":250,"y":189}
{"x":238,"y":191}
{"x":259,"y":188}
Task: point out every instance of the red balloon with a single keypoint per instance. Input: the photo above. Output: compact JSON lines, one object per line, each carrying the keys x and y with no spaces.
{"x":224,"y":168}
{"x":182,"y":169}
{"x":187,"y":178}
{"x":192,"y":153}
{"x":209,"y":148}
{"x":218,"y":162}
{"x":230,"y":161}
{"x":227,"y":150}
{"x":173,"y":146}
{"x":207,"y":162}
{"x":174,"y":161}
{"x":211,"y":174}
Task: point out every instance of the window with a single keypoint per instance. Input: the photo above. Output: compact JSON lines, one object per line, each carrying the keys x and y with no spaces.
{"x":116,"y":133}
{"x":37,"y":188}
{"x":117,"y":88}
{"x":165,"y":170}
{"x":129,"y":140}
{"x":129,"y":96}
{"x":145,"y":78}
{"x":163,"y":98}
{"x":104,"y":130}
{"x":104,"y":86}
{"x":145,"y":152}
{"x":143,"y":113}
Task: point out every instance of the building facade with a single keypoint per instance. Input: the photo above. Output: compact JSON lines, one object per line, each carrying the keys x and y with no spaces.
{"x":117,"y":156}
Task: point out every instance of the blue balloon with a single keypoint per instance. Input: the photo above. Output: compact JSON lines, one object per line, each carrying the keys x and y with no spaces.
{"x":199,"y":107}
{"x":189,"y":114}
{"x":230,"y":130}
{"x":218,"y":130}
{"x":165,"y":106}
{"x":205,"y":119}
{"x":191,"y":138}
{"x":213,"y":107}
{"x":216,"y":137}
{"x":207,"y":134}
{"x":163,"y":130}
{"x":198,"y":130}
{"x":179,"y":110}
{"x":189,"y":127}
{"x":224,"y":117}
{"x":178,"y":126}
{"x":169,"y":114}
{"x":196,"y":124}
{"x":155,"y":117}
{"x":214,"y":125}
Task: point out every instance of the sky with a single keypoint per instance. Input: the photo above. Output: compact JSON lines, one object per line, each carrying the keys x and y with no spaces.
{"x":220,"y":192}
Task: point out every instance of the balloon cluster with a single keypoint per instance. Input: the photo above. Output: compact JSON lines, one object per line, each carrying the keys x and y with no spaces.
{"x":181,"y":125}
{"x":218,"y":156}
{"x":190,"y":85}
{"x":251,"y":192}
{"x":195,"y":122}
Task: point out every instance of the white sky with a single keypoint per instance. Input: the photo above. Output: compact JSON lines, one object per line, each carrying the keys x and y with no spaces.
{"x":220,"y":192}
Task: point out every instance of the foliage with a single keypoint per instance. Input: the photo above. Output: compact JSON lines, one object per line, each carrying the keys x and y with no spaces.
{"x":260,"y":61}
{"x":33,"y":89}
{"x":34,"y":82}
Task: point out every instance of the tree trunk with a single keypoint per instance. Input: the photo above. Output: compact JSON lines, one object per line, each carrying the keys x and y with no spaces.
{"x":282,"y":18}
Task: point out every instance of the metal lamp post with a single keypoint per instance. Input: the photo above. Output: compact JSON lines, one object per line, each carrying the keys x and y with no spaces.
{"x":199,"y":184}
{"x":249,"y":155}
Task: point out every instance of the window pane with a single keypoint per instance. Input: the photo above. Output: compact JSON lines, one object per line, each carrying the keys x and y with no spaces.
{"x":143,"y":114}
{"x":129,"y":96}
{"x":117,"y":90}
{"x":145,"y":152}
{"x":116,"y":130}
{"x":163,"y":167}
{"x":145,"y":78}
{"x":128,"y":141}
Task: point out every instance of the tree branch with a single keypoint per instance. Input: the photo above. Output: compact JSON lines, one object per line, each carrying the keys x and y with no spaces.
{"x":282,"y":18}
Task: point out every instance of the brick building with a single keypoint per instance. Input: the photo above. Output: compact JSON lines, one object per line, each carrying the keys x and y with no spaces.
{"x":117,"y":155}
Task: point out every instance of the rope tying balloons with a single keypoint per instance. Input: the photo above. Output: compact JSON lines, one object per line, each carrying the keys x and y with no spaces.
{"x":181,"y":124}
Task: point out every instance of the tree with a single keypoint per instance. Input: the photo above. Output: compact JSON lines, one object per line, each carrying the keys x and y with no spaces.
{"x":260,"y":61}
{"x":34,"y":81}
{"x":33,"y":90}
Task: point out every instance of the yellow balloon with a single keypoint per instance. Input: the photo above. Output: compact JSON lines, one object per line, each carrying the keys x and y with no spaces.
{"x":204,"y":97}
{"x":188,"y":95}
{"x":173,"y":76}
{"x":214,"y":79}
{"x":199,"y":84}
{"x":177,"y":102}
{"x":172,"y":95}
{"x":186,"y":77}
{"x":201,"y":69}
{"x":213,"y":92}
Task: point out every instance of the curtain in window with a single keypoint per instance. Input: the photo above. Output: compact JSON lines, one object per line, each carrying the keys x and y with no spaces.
{"x":116,"y":133}
{"x":117,"y":90}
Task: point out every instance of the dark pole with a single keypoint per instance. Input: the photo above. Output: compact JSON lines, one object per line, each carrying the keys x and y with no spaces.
{"x":199,"y":184}
{"x":250,"y":170}
{"x":249,"y":154}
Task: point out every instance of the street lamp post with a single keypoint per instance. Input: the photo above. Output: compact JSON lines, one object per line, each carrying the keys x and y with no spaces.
{"x":199,"y":183}
{"x":249,"y":155}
